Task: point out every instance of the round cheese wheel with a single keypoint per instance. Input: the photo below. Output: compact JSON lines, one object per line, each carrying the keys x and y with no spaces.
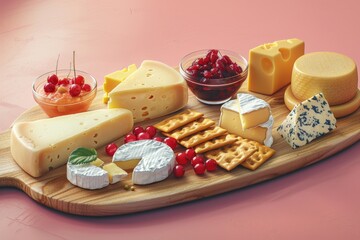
{"x":338,"y":110}
{"x":333,"y":74}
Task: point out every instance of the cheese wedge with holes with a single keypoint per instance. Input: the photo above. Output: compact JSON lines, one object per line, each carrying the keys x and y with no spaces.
{"x":270,"y":65}
{"x":111,"y":80}
{"x":152,"y":91}
{"x":253,"y":111}
{"x":42,"y":145}
{"x":231,"y":121}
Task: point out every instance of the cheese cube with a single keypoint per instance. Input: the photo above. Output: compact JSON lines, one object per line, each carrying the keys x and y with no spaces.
{"x":45,"y":144}
{"x":152,"y":91}
{"x":253,"y":111}
{"x":307,"y":121}
{"x":270,"y":65}
{"x":116,"y":174}
{"x":231,"y":121}
{"x":113,"y":79}
{"x":98,"y":162}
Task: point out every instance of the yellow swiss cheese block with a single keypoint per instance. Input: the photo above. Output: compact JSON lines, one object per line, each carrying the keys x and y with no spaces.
{"x":42,"y":145}
{"x":270,"y":65}
{"x":333,"y":74}
{"x":113,"y":79}
{"x":152,"y":91}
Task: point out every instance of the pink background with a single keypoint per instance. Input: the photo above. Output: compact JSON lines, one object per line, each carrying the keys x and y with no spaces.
{"x":318,"y":202}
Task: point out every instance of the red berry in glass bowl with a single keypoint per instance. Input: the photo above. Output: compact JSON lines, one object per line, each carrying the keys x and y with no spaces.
{"x":53,"y":79}
{"x":80,"y":80}
{"x":64,"y":81}
{"x":86,"y":87}
{"x":49,"y":87}
{"x":138,"y":130}
{"x":211,"y":165}
{"x":110,"y":149}
{"x":151,"y":130}
{"x":190,"y":153}
{"x":179,"y":170}
{"x":199,"y":168}
{"x":171,"y":142}
{"x":74,"y":90}
{"x":197,"y":159}
{"x":159,"y":139}
{"x":181,"y":158}
{"x":130,"y":138}
{"x":143,"y":136}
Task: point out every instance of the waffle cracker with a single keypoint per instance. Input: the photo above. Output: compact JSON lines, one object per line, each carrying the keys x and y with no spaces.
{"x":190,"y":128}
{"x":215,"y":143}
{"x":231,"y":156}
{"x":202,"y":136}
{"x":261,"y":155}
{"x":178,"y":120}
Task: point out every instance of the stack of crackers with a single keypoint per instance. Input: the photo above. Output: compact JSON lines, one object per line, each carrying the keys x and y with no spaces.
{"x":192,"y":130}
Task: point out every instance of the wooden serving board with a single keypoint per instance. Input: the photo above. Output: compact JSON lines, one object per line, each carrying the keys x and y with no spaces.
{"x":55,"y":191}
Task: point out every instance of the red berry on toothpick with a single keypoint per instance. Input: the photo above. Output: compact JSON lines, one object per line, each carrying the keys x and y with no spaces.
{"x":53,"y":79}
{"x":179,"y":170}
{"x":75,"y":90}
{"x":79,"y":80}
{"x":49,"y":87}
{"x":110,"y":149}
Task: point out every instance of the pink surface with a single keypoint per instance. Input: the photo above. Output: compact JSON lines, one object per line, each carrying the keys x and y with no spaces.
{"x":318,"y":202}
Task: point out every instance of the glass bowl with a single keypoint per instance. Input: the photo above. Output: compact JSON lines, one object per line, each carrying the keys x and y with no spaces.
{"x":214,"y":91}
{"x":61,"y":102}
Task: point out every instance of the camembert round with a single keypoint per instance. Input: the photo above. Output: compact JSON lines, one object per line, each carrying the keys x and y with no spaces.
{"x":333,"y":74}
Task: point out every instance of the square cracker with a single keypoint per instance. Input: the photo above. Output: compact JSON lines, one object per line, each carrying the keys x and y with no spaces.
{"x":215,"y":143}
{"x":261,"y":155}
{"x":178,"y":120}
{"x":231,"y":156}
{"x":190,"y":128}
{"x":202,"y":136}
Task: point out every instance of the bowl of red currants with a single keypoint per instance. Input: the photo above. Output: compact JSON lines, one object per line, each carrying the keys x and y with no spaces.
{"x":214,"y":76}
{"x":64,"y":92}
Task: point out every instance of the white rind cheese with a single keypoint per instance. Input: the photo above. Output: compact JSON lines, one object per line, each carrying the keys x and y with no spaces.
{"x":156,"y":164}
{"x":87,"y":176}
{"x":307,"y":121}
{"x":39,"y":146}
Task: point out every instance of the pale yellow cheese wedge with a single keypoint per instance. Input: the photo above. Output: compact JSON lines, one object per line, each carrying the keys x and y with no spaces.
{"x":116,"y":174}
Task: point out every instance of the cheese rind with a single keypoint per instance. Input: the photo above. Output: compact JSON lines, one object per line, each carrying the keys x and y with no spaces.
{"x":253,"y":111}
{"x":307,"y":121}
{"x":270,"y":65}
{"x":87,"y":176}
{"x":111,"y":80}
{"x":332,"y":74}
{"x":42,"y":145}
{"x":116,"y":174}
{"x":156,"y":164}
{"x":230,"y":120}
{"x":152,"y":91}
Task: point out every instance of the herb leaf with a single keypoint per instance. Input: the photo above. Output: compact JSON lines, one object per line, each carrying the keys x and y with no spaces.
{"x":82,"y":156}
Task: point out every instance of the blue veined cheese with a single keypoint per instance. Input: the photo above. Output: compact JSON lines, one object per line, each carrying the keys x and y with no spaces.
{"x":307,"y":121}
{"x":151,"y":160}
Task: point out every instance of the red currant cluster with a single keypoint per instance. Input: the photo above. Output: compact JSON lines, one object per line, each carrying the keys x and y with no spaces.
{"x":213,"y":66}
{"x":77,"y":85}
{"x":197,"y":162}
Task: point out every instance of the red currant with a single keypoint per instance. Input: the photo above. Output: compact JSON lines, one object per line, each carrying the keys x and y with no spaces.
{"x":151,"y":130}
{"x":130,"y":138}
{"x":197,"y":159}
{"x":110,"y":149}
{"x":159,"y":139}
{"x":53,"y":79}
{"x":143,"y":136}
{"x":181,"y":158}
{"x":190,"y":153}
{"x":49,"y":87}
{"x":86,"y":87}
{"x":64,"y":81}
{"x":171,"y":142}
{"x":179,"y":170}
{"x":199,"y":168}
{"x":211,"y":165}
{"x":79,"y":80}
{"x":138,"y":130}
{"x":75,"y":90}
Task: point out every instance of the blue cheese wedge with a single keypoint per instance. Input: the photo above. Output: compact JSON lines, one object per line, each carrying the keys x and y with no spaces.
{"x":152,"y":161}
{"x":307,"y":121}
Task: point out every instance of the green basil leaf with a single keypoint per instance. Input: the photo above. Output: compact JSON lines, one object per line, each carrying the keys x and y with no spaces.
{"x":82,"y":156}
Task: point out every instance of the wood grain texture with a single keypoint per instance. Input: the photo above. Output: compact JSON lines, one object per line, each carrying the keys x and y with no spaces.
{"x":54,"y":190}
